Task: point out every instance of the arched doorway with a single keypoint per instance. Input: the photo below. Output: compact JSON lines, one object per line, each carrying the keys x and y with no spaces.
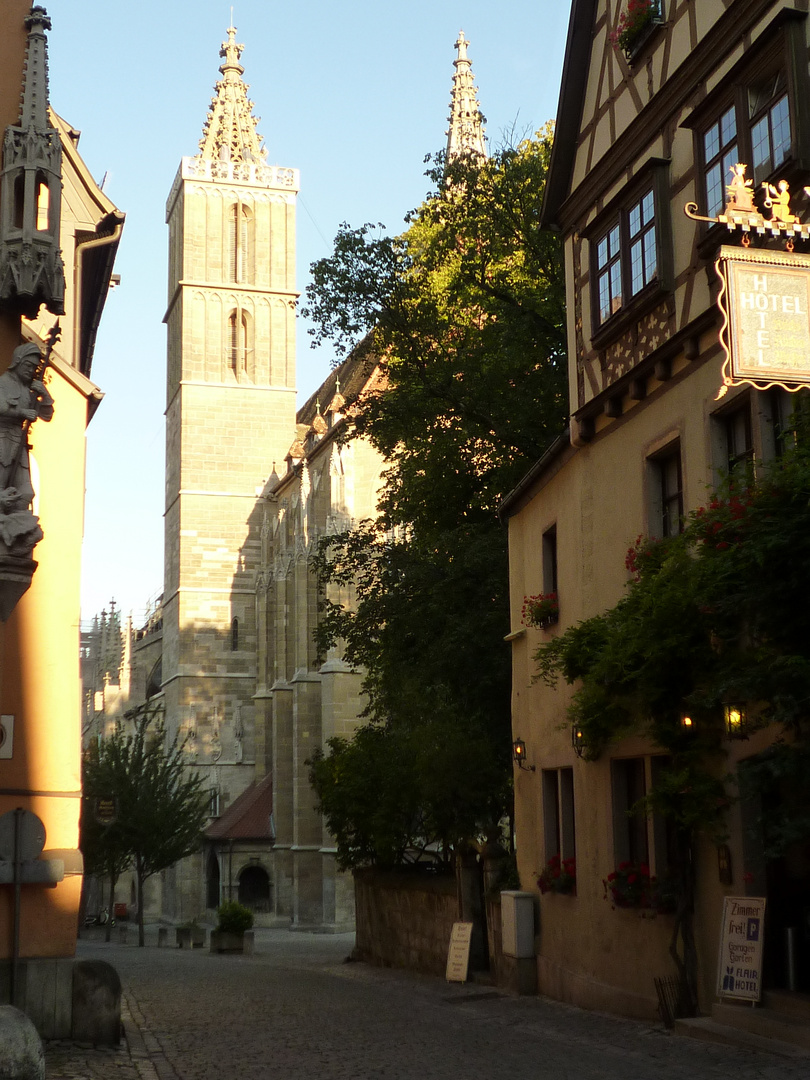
{"x":254,"y":888}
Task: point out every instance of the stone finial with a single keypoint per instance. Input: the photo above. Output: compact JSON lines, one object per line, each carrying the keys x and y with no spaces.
{"x":230,"y":132}
{"x":31,"y":268}
{"x":466,"y":132}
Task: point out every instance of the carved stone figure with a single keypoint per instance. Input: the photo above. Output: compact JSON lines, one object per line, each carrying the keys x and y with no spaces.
{"x":23,"y":399}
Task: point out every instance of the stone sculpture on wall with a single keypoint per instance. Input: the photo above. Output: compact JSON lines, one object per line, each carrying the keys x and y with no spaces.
{"x":23,"y":400}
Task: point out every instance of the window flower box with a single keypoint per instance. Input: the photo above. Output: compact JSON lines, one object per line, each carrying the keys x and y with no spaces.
{"x":558,"y":876}
{"x":542,"y":610}
{"x":631,"y":886}
{"x":636,"y":25}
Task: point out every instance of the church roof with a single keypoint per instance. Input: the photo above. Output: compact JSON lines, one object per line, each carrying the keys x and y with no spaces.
{"x":230,"y":132}
{"x":466,"y":132}
{"x":249,"y":817}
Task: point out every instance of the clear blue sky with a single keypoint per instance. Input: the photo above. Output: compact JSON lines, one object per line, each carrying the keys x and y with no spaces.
{"x":353,"y":94}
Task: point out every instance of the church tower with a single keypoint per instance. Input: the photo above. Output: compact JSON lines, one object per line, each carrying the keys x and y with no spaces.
{"x":230,"y":412}
{"x":466,"y":132}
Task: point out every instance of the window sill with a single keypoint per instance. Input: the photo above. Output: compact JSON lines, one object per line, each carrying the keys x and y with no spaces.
{"x":644,"y":301}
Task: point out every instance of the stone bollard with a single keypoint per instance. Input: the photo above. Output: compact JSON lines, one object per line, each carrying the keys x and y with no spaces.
{"x":163,"y":937}
{"x":249,"y":942}
{"x":122,"y":935}
{"x":96,"y":1003}
{"x":22,"y":1056}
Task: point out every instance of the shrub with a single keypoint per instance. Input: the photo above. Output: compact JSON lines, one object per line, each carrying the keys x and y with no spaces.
{"x":234,"y":918}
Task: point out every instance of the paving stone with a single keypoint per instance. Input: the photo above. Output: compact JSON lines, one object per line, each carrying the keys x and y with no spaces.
{"x":295,"y":1009}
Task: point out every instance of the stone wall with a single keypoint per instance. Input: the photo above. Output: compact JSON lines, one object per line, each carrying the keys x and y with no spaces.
{"x":405,"y":918}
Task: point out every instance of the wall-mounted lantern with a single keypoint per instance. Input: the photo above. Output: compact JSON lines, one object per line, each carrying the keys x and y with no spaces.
{"x":735,"y":719}
{"x":578,"y":740}
{"x":519,"y":755}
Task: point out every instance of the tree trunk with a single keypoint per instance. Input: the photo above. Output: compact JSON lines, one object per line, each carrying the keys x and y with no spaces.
{"x":684,"y":929}
{"x":140,"y":876}
{"x":111,"y":908}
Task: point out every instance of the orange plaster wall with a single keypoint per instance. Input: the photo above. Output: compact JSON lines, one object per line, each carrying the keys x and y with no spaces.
{"x":40,"y":681}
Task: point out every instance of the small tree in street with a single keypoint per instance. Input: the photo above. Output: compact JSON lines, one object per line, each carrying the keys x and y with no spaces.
{"x":160,"y":805}
{"x":105,"y":854}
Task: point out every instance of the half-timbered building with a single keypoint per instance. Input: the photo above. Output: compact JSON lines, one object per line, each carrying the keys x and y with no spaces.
{"x":655,"y":110}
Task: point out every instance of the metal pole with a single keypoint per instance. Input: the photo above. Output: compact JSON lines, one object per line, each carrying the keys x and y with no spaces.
{"x":790,"y":956}
{"x":18,"y":813}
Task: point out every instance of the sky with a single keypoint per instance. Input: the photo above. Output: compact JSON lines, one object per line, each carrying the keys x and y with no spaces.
{"x":352,"y":94}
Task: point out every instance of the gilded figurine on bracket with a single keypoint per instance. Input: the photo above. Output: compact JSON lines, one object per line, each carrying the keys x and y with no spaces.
{"x":740,"y":193}
{"x":777,"y":200}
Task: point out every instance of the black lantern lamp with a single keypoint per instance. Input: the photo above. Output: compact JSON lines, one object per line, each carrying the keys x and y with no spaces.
{"x":687,"y":721}
{"x":578,"y":740}
{"x":735,"y":720}
{"x":519,"y":754}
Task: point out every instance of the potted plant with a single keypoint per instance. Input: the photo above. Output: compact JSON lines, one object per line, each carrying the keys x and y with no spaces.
{"x":636,"y":23}
{"x":233,"y":921}
{"x":541,"y":610}
{"x":190,"y":935}
{"x":558,"y":875}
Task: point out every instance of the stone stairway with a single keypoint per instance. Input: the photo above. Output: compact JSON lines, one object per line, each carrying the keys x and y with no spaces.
{"x":780,"y":1025}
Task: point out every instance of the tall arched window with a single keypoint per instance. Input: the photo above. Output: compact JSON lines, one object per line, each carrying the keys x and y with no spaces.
{"x":234,"y":635}
{"x":239,"y":262}
{"x":238,"y":344}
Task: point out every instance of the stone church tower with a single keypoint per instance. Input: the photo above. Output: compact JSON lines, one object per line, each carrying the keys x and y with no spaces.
{"x":230,"y":412}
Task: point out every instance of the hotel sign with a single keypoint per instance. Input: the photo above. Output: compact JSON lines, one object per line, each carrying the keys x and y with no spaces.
{"x":765,"y":301}
{"x":739,"y":968}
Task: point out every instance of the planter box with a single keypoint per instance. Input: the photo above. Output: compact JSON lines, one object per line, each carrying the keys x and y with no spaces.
{"x":190,"y":937}
{"x":223,"y":942}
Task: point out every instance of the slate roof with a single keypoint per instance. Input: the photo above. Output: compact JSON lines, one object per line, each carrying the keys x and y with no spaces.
{"x":248,"y":817}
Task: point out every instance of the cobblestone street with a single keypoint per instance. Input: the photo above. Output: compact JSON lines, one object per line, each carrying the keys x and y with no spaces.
{"x":296,"y":1010}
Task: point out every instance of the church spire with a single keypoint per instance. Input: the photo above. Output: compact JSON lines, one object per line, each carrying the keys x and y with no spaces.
{"x":230,"y":128}
{"x":466,"y":131}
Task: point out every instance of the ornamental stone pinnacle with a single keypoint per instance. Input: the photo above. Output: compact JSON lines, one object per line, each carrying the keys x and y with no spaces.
{"x":229,"y":134}
{"x":31,"y":268}
{"x":466,"y":132}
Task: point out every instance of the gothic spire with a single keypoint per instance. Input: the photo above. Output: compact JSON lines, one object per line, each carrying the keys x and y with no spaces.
{"x":34,"y":103}
{"x":466,"y":131}
{"x":230,"y":128}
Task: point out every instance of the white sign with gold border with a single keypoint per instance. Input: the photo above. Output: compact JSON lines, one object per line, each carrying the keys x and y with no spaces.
{"x":765,"y":301}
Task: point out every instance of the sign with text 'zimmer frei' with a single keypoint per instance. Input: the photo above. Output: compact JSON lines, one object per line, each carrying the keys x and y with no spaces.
{"x":739,"y":967}
{"x":765,"y":302}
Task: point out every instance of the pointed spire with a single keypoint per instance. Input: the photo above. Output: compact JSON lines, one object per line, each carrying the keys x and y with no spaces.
{"x":34,"y":104}
{"x":466,"y":131}
{"x":230,"y":132}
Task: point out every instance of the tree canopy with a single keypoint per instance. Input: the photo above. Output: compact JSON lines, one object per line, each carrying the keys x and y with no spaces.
{"x":160,"y":807}
{"x":466,"y":309}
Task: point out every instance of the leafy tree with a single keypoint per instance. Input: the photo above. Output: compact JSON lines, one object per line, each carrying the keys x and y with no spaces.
{"x":104,"y":852}
{"x":160,"y":805}
{"x":466,"y":312}
{"x":716,"y":614}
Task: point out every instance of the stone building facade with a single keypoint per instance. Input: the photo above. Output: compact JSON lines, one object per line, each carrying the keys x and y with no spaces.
{"x":228,"y":657}
{"x":230,"y":409}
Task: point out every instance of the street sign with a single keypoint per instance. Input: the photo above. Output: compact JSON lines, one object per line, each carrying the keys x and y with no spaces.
{"x":739,"y":967}
{"x":105,"y":810}
{"x":458,"y":955}
{"x":32,"y":836}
